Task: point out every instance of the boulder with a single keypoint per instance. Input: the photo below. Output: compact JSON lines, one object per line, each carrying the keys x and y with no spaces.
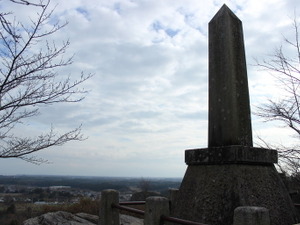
{"x":60,"y":217}
{"x":130,"y":220}
{"x":91,"y":218}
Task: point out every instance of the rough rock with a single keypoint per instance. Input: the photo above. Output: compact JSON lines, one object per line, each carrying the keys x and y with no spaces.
{"x":54,"y":218}
{"x":130,"y":220}
{"x":91,"y":218}
{"x":65,"y":218}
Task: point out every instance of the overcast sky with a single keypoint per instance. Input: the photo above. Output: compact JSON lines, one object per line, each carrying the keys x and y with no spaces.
{"x":148,"y":98}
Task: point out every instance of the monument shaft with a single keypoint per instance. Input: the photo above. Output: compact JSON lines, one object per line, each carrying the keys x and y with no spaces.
{"x":229,"y":108}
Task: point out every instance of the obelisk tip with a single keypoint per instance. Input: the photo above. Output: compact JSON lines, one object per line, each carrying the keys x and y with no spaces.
{"x":224,"y":6}
{"x":223,"y":11}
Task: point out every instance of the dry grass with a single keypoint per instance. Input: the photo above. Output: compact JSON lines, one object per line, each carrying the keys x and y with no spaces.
{"x":85,"y":205}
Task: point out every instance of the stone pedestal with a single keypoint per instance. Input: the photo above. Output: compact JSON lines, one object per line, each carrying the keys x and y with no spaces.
{"x":220,"y":179}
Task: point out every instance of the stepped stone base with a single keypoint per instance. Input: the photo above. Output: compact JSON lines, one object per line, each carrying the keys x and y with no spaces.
{"x":210,"y":193}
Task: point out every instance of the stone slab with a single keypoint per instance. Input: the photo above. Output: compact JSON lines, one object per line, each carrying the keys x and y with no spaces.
{"x":230,"y":155}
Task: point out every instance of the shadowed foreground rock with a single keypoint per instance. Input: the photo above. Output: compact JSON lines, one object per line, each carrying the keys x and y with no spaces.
{"x":60,"y":217}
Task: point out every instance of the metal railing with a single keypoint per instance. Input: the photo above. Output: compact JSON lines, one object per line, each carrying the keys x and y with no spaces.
{"x":157,"y":211}
{"x":129,"y":209}
{"x":180,"y":221}
{"x":297,"y":205}
{"x":123,"y":206}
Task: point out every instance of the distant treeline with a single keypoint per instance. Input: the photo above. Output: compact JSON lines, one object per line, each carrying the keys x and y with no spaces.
{"x":90,"y":183}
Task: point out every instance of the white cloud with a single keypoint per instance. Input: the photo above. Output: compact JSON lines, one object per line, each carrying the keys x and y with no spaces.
{"x":148,"y":98}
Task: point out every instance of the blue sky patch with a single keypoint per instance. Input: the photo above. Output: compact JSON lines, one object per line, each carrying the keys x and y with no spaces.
{"x":157,"y":26}
{"x":83,"y":12}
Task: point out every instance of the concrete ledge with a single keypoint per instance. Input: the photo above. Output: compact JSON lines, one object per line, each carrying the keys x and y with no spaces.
{"x":230,"y":154}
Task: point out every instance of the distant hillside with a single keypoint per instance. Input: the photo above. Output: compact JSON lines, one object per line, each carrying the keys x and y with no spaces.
{"x":90,"y":183}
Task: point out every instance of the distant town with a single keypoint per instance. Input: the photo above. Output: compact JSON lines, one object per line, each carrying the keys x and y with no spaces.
{"x":41,"y":190}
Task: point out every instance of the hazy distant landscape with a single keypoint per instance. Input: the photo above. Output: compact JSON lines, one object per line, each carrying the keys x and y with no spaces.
{"x":90,"y":183}
{"x":26,"y":196}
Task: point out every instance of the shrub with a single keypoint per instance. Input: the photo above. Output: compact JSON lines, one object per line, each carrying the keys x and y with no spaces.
{"x":11,"y":209}
{"x":85,"y":205}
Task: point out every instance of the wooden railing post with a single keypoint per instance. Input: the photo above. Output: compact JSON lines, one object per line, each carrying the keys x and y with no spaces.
{"x":109,"y":215}
{"x":251,"y":215}
{"x":155,"y":208}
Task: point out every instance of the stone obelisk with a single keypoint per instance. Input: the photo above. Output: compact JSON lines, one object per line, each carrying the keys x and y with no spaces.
{"x":229,"y":108}
{"x":230,"y":172}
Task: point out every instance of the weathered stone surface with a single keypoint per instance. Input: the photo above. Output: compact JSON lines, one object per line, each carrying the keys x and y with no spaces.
{"x":230,"y":154}
{"x":155,"y":207}
{"x":91,"y":218}
{"x":229,"y":108}
{"x":130,"y":220}
{"x":54,"y":218}
{"x":60,"y":217}
{"x":210,"y":193}
{"x":251,"y":215}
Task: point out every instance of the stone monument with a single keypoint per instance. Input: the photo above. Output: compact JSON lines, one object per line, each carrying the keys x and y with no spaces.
{"x":230,"y":172}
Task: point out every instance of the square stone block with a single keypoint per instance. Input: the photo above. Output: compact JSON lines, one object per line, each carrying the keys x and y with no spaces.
{"x":234,"y":154}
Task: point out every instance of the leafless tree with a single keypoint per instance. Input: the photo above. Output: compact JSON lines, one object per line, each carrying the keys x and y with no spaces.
{"x":144,"y":185}
{"x":286,"y":69}
{"x":29,"y":79}
{"x":33,"y":2}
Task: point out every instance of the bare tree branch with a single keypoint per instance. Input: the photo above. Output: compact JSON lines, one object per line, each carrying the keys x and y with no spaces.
{"x":24,"y":2}
{"x":28,"y":79}
{"x":286,"y":70}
